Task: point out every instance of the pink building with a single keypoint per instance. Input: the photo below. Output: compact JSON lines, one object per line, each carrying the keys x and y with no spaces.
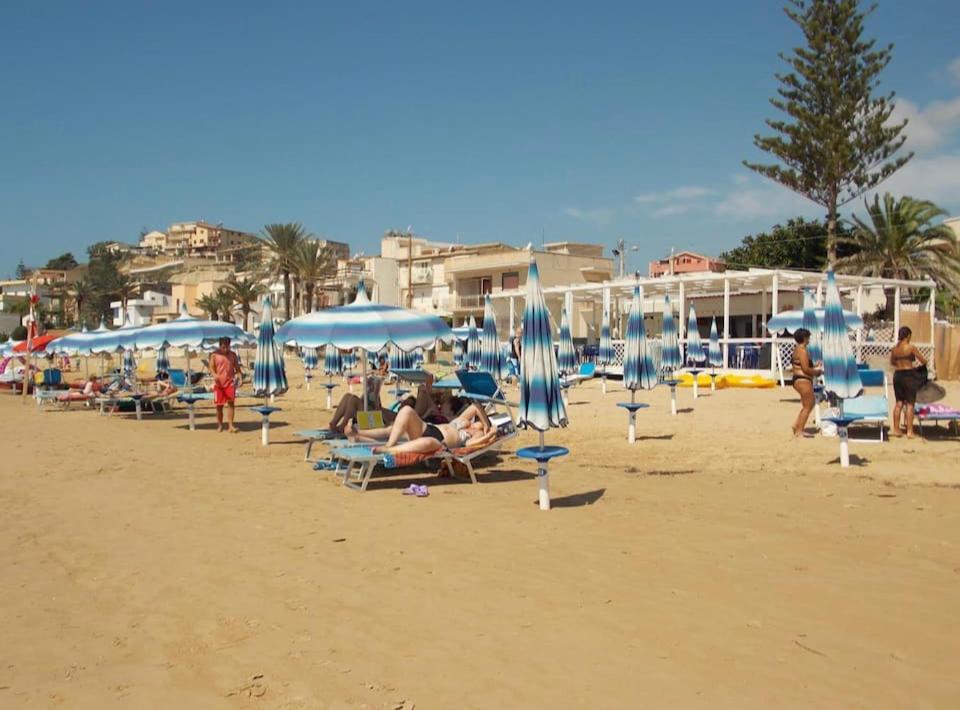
{"x":685,"y":262}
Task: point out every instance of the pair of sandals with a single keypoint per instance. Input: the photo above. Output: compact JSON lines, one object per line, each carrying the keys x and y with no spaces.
{"x":415,"y":490}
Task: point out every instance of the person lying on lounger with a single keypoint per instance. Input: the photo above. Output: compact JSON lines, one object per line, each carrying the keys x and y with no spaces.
{"x":471,"y":428}
{"x":430,"y":406}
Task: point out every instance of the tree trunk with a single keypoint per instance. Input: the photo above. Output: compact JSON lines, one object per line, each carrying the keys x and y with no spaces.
{"x":246,"y":315}
{"x":832,"y":236}
{"x":286,"y":295}
{"x":309,"y":289}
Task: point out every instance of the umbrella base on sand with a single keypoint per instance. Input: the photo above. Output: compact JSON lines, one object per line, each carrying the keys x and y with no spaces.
{"x":842,"y":424}
{"x":542,"y":455}
{"x":673,"y":395}
{"x":265,"y":412}
{"x":632,"y":408}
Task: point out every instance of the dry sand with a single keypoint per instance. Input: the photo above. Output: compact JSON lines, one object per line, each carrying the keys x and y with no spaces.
{"x":715,"y":563}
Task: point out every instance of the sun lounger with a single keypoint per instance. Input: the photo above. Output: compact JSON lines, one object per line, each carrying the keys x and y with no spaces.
{"x":113,"y":403}
{"x":937,"y":413}
{"x":586,"y":372}
{"x":869,"y":408}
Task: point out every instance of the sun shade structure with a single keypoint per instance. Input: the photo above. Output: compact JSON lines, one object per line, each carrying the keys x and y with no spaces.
{"x":789,"y":321}
{"x":490,"y":352}
{"x":638,"y":370}
{"x":714,"y":353}
{"x":333,"y":361}
{"x":606,"y":354}
{"x":112,"y":341}
{"x":310,"y":358}
{"x":566,"y":355}
{"x":695,"y":354}
{"x":163,"y":361}
{"x":841,"y":378}
{"x":188,"y":332}
{"x":473,"y":346}
{"x":541,"y":406}
{"x":269,"y":377}
{"x":810,"y":323}
{"x":670,"y":354}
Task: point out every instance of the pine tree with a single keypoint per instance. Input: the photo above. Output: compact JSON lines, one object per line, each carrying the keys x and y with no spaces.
{"x":837,"y":142}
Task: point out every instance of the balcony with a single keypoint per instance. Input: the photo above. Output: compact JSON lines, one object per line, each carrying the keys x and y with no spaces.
{"x":472,"y":302}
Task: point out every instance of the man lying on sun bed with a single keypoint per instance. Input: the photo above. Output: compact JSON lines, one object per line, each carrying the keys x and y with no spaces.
{"x":472,"y":428}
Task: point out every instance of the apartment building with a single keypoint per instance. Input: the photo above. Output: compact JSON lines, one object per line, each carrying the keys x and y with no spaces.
{"x":195,"y":239}
{"x":685,"y":262}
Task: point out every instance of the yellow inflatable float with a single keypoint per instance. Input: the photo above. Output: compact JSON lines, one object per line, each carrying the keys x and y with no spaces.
{"x":685,"y":379}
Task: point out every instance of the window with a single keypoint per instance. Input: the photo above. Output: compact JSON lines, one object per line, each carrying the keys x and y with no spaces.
{"x":510,"y":280}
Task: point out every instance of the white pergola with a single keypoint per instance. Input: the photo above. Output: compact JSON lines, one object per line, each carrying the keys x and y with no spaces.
{"x":770,"y":284}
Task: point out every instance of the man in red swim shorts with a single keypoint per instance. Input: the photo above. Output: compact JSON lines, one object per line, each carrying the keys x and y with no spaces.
{"x":225,"y":366}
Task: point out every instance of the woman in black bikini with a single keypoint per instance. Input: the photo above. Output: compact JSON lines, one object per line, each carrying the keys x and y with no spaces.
{"x":907,"y":380}
{"x":803,"y":374}
{"x":471,"y":428}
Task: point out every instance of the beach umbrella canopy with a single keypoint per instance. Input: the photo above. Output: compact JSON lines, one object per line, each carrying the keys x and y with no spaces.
{"x":841,"y":378}
{"x":418,"y":358}
{"x":541,"y":406}
{"x":461,"y":332}
{"x":695,"y":354}
{"x":714,"y":353}
{"x":566,"y":355}
{"x":490,"y":353}
{"x":310,"y":357}
{"x":269,"y":377}
{"x":791,"y":320}
{"x":638,"y":370}
{"x":189,"y":332}
{"x":366,"y":325}
{"x":70,"y":344}
{"x":670,"y":352}
{"x":810,"y":323}
{"x":348,"y":358}
{"x":332,"y":361}
{"x":7,"y":347}
{"x":473,"y":345}
{"x":37,"y":344}
{"x":111,"y":341}
{"x":400,"y":359}
{"x":163,"y":361}
{"x":606,"y":354}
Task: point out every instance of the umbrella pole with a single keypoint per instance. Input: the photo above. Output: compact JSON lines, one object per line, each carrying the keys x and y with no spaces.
{"x":603,"y":379}
{"x":363,"y":377}
{"x":543,"y":478}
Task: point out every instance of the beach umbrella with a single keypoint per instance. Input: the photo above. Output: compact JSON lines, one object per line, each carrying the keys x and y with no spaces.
{"x":418,"y":358}
{"x":606,"y":355}
{"x":714,"y":352}
{"x":695,"y":354}
{"x":490,"y":354}
{"x":638,"y":370}
{"x":541,"y":406}
{"x":269,"y":377}
{"x":365,"y":325}
{"x":310,"y":357}
{"x":458,"y":353}
{"x":348,"y":359}
{"x":566,"y":355}
{"x":112,"y":341}
{"x":37,"y":344}
{"x":841,"y":378}
{"x":473,"y":345}
{"x":810,"y":323}
{"x":670,"y":353}
{"x":400,"y":359}
{"x":333,"y":361}
{"x":793,"y":319}
{"x":129,"y":364}
{"x":163,"y":361}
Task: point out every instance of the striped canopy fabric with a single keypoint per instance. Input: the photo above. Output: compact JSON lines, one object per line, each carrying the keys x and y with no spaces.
{"x":349,"y":360}
{"x":541,"y":406}
{"x":188,"y":332}
{"x":490,"y":353}
{"x":473,"y":345}
{"x":814,"y":350}
{"x":367,"y":325}
{"x":458,"y":352}
{"x":163,"y":361}
{"x":418,"y":358}
{"x":269,"y":377}
{"x":841,"y":378}
{"x":70,"y":344}
{"x":400,"y":359}
{"x":112,"y":341}
{"x":714,"y":353}
{"x":310,"y":357}
{"x":606,"y":354}
{"x":129,"y":363}
{"x":695,"y":354}
{"x":638,"y":370}
{"x":333,"y":361}
{"x":791,"y":320}
{"x":566,"y":355}
{"x":670,"y":353}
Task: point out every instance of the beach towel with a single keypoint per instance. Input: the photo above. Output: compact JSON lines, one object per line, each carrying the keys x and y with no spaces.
{"x":938,"y":411}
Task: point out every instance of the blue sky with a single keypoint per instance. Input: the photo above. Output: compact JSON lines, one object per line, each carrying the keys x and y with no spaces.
{"x":491,"y":121}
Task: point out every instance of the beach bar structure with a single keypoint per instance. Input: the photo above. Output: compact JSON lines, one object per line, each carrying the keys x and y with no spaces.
{"x":742,"y":302}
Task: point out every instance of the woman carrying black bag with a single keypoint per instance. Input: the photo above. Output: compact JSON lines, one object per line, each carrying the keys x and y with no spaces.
{"x":908,"y":378}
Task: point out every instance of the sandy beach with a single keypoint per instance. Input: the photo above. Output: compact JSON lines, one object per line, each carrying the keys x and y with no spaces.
{"x":715,"y":563}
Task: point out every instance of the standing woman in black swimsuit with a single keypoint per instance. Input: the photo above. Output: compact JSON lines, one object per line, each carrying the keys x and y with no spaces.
{"x":906,"y":380}
{"x":803,"y":374}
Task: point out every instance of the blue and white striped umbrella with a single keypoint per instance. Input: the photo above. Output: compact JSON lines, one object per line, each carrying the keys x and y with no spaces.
{"x":670,"y":353}
{"x":638,"y":370}
{"x":333,"y":362}
{"x":401,"y":359}
{"x":541,"y":406}
{"x":606,"y":354}
{"x":418,"y":358}
{"x":349,"y":360}
{"x":810,"y":323}
{"x":841,"y":378}
{"x":566,"y":355}
{"x":490,"y":353}
{"x":129,"y":363}
{"x":793,"y":319}
{"x":714,"y":353}
{"x":111,"y":341}
{"x":310,"y":357}
{"x":163,"y":361}
{"x":366,"y":325}
{"x":458,"y":352}
{"x":70,"y":344}
{"x":473,"y":345}
{"x":189,"y":332}
{"x":695,"y":354}
{"x":269,"y":377}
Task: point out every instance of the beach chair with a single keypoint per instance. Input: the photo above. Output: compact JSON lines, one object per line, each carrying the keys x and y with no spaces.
{"x":937,"y":413}
{"x":365,"y":420}
{"x":868,"y":408}
{"x":587,"y":371}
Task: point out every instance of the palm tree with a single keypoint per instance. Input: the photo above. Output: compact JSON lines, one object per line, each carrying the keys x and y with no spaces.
{"x":244,"y":293}
{"x":282,"y":241}
{"x":82,"y":291}
{"x":225,"y":298}
{"x":209,"y":304}
{"x":312,"y":262}
{"x":901,"y":243}
{"x":124,"y":288}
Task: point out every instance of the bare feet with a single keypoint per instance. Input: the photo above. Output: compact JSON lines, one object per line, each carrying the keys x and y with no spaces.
{"x":219,"y":428}
{"x":233,"y":430}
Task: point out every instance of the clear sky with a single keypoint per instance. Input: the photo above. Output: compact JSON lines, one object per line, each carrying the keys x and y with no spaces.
{"x":491,"y":121}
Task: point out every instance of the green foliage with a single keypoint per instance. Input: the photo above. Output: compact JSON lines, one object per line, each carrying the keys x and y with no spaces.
{"x":837,"y":142}
{"x":19,"y":333}
{"x":282,"y":241}
{"x":311,"y":263}
{"x":210,"y":304}
{"x":799,"y":244}
{"x":21,"y":270}
{"x":64,"y":262}
{"x":244,"y":293}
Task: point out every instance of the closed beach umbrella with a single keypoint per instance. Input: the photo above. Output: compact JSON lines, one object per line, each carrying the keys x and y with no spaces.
{"x":566,"y":355}
{"x":349,"y":360}
{"x":814,"y":349}
{"x":310,"y":358}
{"x":129,"y":363}
{"x":473,"y":345}
{"x":269,"y":377}
{"x":490,"y":342}
{"x":638,"y":370}
{"x":418,"y":358}
{"x":333,"y":362}
{"x":458,"y":352}
{"x":401,"y":359}
{"x":606,"y":355}
{"x":541,"y":406}
{"x":841,"y":378}
{"x":714,"y":353}
{"x":163,"y":361}
{"x":670,"y":353}
{"x":695,"y":354}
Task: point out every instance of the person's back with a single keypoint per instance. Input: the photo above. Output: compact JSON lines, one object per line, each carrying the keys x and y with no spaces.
{"x":903,"y":355}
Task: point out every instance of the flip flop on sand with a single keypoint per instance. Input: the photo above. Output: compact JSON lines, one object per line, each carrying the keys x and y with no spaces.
{"x":411,"y":490}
